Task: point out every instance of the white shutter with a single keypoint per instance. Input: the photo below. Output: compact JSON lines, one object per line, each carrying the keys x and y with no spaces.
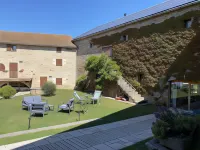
{"x":126,"y":37}
{"x":54,"y":61}
{"x":64,"y":80}
{"x":64,"y":62}
{"x":54,"y":80}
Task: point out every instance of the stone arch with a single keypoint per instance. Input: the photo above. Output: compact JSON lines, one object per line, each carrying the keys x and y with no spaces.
{"x":2,"y":67}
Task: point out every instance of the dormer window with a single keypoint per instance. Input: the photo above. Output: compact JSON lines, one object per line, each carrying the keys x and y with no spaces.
{"x":58,"y":49}
{"x":12,"y":48}
{"x":188,"y":23}
{"x":124,"y":38}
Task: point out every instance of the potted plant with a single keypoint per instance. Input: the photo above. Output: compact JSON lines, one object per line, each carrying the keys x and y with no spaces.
{"x":173,"y":129}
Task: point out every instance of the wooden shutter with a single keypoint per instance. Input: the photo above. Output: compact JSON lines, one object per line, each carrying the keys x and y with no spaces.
{"x":43,"y":80}
{"x":59,"y":50}
{"x":9,"y":47}
{"x":13,"y":67}
{"x":58,"y":81}
{"x":58,"y":62}
{"x":2,"y":67}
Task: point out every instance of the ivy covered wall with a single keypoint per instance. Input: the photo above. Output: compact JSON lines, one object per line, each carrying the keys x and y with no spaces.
{"x":158,"y":50}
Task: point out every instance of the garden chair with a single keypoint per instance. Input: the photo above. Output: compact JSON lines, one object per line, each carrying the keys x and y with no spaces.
{"x":83,"y":101}
{"x":96,"y":97}
{"x":38,"y":108}
{"x":28,"y":100}
{"x":68,"y":106}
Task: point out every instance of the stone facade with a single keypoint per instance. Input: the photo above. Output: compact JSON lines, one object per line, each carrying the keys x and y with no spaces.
{"x":38,"y":61}
{"x":83,"y":44}
{"x":157,"y":47}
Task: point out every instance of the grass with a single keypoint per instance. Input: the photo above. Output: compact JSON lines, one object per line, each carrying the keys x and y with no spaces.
{"x":138,"y":146}
{"x":13,"y":118}
{"x":30,"y":136}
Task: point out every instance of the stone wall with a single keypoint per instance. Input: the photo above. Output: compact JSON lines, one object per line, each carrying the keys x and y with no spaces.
{"x":157,"y":47}
{"x":38,"y":61}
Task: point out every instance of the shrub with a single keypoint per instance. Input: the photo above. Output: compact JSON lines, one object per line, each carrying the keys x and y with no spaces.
{"x":98,"y":87}
{"x":172,"y":123}
{"x":7,"y":91}
{"x":160,"y":129}
{"x":49,"y":89}
{"x":81,"y":80}
{"x":104,"y":67}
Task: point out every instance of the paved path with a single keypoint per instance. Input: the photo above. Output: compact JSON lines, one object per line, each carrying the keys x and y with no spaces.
{"x":45,"y":128}
{"x":111,"y":136}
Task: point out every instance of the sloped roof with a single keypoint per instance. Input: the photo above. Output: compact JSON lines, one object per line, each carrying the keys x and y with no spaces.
{"x":162,"y":7}
{"x":36,"y":39}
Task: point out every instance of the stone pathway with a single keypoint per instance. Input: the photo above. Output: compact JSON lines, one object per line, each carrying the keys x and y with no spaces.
{"x":111,"y":136}
{"x":46,"y":128}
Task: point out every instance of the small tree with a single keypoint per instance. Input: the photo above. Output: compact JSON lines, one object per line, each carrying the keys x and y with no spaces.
{"x":104,"y":67}
{"x":49,"y":88}
{"x":7,"y":91}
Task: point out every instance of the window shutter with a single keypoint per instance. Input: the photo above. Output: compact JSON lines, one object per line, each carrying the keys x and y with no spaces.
{"x":54,"y":80}
{"x":54,"y":61}
{"x":64,"y":62}
{"x":58,"y":62}
{"x":126,"y":37}
{"x":58,"y":81}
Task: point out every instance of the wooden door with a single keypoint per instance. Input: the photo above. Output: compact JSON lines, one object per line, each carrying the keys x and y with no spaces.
{"x":13,"y":69}
{"x":43,"y":80}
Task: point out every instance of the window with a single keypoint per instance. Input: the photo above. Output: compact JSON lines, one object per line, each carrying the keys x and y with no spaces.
{"x":124,"y":38}
{"x":59,"y":50}
{"x":107,"y":50}
{"x":12,"y":48}
{"x":140,"y":77}
{"x":58,"y":62}
{"x":2,"y":67}
{"x":58,"y":81}
{"x":188,"y":23}
{"x":91,"y":45}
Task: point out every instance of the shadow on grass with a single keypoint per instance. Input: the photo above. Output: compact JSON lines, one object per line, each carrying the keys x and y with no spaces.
{"x":72,"y":142}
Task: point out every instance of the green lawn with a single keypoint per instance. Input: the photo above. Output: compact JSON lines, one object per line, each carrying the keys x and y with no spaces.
{"x":30,"y":136}
{"x":13,"y":118}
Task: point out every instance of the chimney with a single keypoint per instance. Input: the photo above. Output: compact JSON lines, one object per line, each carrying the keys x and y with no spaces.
{"x":125,"y":14}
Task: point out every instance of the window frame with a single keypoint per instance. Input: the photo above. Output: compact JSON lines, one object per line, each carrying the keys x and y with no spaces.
{"x":124,"y":38}
{"x":91,"y":45}
{"x":59,"y":62}
{"x":188,"y":23}
{"x":59,"y":50}
{"x":11,"y":48}
{"x":59,"y":81}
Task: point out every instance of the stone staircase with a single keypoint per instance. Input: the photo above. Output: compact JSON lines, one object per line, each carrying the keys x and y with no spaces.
{"x":129,"y":90}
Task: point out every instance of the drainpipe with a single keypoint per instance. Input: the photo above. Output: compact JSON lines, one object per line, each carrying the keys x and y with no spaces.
{"x":189,"y":96}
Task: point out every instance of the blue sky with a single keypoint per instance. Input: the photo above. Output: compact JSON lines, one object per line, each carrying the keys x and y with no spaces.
{"x":72,"y":17}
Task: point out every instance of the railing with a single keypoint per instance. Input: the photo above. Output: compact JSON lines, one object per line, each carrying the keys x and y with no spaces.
{"x":128,"y":83}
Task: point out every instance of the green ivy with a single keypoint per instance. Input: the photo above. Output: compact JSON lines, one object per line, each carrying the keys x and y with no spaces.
{"x":158,"y":50}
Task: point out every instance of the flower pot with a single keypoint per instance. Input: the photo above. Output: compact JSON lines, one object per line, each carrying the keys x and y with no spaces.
{"x":177,"y":143}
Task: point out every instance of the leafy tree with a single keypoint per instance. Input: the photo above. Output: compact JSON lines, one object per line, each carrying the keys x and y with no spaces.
{"x":104,"y":67}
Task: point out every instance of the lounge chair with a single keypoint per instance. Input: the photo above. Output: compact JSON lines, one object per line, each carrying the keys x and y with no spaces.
{"x":38,"y":108}
{"x":96,"y":97}
{"x":28,"y":100}
{"x":68,"y":106}
{"x":83,"y":101}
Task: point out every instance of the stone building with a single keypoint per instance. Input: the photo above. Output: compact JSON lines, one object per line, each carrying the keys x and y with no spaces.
{"x":150,"y":46}
{"x":28,"y":60}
